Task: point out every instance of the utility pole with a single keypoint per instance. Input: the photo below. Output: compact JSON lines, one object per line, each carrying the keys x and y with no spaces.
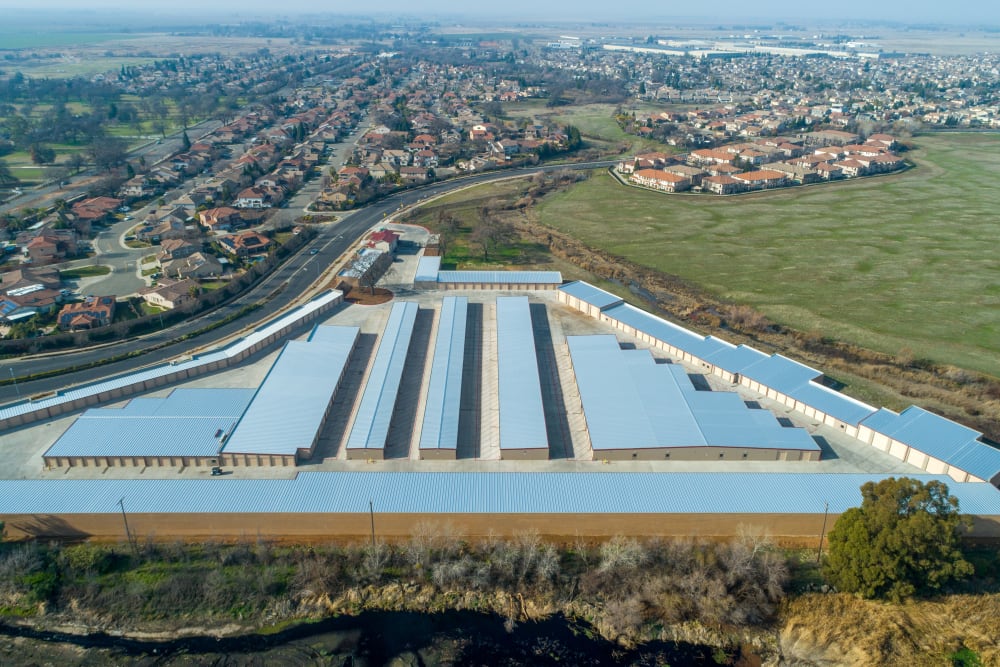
{"x":822,"y":532}
{"x":128,"y":533}
{"x":371,"y":512}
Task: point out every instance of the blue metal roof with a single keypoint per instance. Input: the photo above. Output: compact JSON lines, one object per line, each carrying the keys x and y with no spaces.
{"x":631,"y":402}
{"x":592,"y":295}
{"x":153,"y":372}
{"x":371,"y":422}
{"x":654,"y":326}
{"x":781,"y":373}
{"x":522,"y":417}
{"x":188,"y":422}
{"x":602,"y":492}
{"x":735,"y":359}
{"x":846,"y":409}
{"x":941,"y":438}
{"x":444,"y":393}
{"x":979,"y":459}
{"x":289,"y":407}
{"x":501,"y":277}
{"x":612,"y":405}
{"x":427,"y":269}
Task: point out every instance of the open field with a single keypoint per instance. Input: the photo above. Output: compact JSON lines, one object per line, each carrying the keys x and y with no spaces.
{"x":596,"y":123}
{"x":897,"y":263}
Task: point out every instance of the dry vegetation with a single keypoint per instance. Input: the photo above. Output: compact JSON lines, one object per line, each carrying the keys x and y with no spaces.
{"x":838,"y":629}
{"x":629,"y":590}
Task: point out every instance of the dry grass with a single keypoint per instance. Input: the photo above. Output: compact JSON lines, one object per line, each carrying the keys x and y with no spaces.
{"x":842,"y":629}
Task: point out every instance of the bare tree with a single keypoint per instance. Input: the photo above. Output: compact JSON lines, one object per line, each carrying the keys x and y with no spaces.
{"x":492,"y":233}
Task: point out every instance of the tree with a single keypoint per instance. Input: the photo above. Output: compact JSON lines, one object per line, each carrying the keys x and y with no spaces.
{"x":491,"y":233}
{"x":108,"y":153}
{"x":6,"y":175}
{"x":75,"y":162}
{"x":185,"y":142}
{"x":902,"y":541}
{"x":42,"y":154}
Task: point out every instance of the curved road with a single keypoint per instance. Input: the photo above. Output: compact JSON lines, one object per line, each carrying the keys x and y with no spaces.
{"x":294,"y":278}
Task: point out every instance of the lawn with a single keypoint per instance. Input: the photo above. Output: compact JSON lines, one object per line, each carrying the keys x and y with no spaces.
{"x":596,"y":123}
{"x":85,"y":272}
{"x":901,"y":262}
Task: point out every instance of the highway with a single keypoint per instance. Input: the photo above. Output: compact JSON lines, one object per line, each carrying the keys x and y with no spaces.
{"x":293,"y":278}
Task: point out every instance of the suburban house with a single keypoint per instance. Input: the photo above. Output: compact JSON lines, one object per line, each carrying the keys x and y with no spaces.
{"x":22,"y":303}
{"x":48,"y":245}
{"x":251,"y":198}
{"x":661,"y":180}
{"x":95,"y":209}
{"x":413,"y":174}
{"x":137,"y":187}
{"x":178,"y":248}
{"x":245,"y":244}
{"x":170,"y":294}
{"x":196,"y":265}
{"x":92,"y":312}
{"x":223,"y":218}
{"x":722,"y":185}
{"x":762,"y":180}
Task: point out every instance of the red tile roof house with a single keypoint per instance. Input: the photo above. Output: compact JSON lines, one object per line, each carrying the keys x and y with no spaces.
{"x":762,"y":180}
{"x":96,"y":208}
{"x":722,"y":185}
{"x":90,"y":313}
{"x":245,"y":244}
{"x":661,"y":180}
{"x":223,"y":218}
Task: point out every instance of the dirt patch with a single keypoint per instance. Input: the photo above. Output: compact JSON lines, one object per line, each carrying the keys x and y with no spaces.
{"x":366,"y":297}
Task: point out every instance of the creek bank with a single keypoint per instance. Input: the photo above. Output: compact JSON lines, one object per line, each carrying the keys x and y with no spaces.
{"x":371,"y":638}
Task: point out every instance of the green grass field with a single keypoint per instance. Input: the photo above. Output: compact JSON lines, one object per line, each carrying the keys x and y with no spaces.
{"x":897,"y":262}
{"x":85,"y":272}
{"x":596,"y":123}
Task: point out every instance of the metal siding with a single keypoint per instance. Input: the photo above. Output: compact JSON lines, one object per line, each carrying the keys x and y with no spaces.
{"x":475,"y":493}
{"x":938,"y":437}
{"x":522,"y":416}
{"x":444,"y":391}
{"x":501,"y":277}
{"x":427,"y":270}
{"x":591,"y":295}
{"x":289,"y":407}
{"x":833,"y":403}
{"x":371,"y":424}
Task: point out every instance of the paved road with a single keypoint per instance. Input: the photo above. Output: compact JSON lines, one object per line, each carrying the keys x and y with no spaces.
{"x":294,"y":277}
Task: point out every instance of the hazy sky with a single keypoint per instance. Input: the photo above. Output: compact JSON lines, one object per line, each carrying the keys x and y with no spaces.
{"x":966,"y":12}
